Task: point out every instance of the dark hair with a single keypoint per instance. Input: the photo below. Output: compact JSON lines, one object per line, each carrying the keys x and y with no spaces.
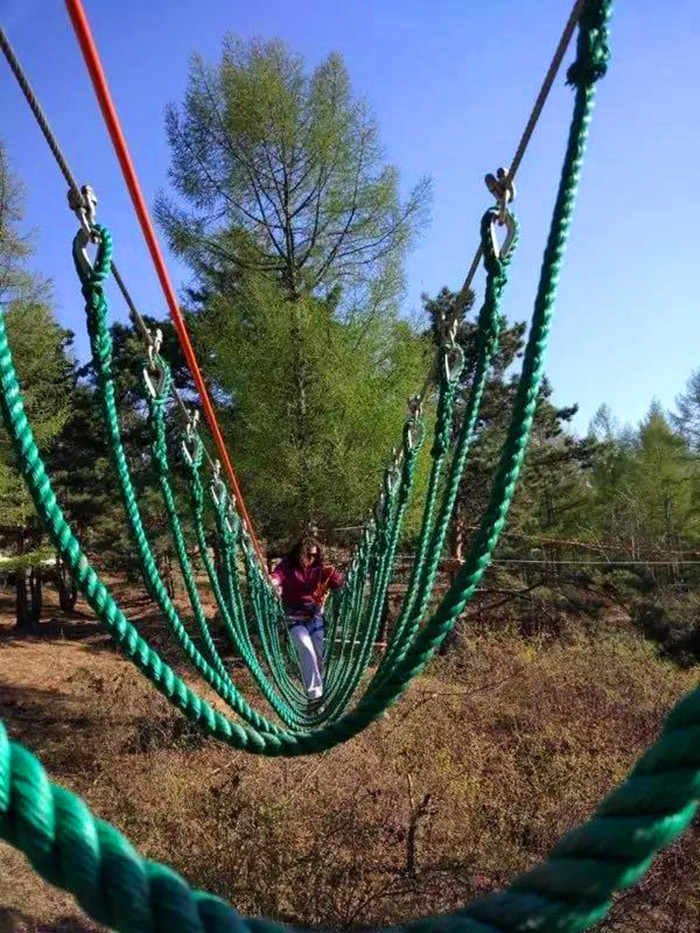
{"x":305,"y":543}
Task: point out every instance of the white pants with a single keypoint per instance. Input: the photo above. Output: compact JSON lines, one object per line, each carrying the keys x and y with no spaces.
{"x":308,"y":640}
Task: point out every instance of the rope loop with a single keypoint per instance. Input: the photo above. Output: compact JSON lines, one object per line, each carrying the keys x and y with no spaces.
{"x":92,"y":274}
{"x":592,"y":45}
{"x":158,"y":388}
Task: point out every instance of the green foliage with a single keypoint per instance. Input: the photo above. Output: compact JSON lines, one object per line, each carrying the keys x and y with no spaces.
{"x":293,"y":225}
{"x":645,"y":485}
{"x":358,"y":374}
{"x":14,"y":248}
{"x":284,"y":174}
{"x":42,"y":355}
{"x":687,"y":419}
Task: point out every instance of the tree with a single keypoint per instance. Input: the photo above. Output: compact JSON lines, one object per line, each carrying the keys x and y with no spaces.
{"x":14,"y":280}
{"x":361,"y":373}
{"x":645,"y":487}
{"x":285,"y":175}
{"x":687,"y":419}
{"x":293,"y":225}
{"x":41,"y":351}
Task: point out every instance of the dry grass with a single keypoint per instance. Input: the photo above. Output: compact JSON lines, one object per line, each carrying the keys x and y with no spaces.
{"x":513,"y":740}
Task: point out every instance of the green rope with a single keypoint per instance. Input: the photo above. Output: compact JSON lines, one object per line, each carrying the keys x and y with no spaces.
{"x":488,"y":332}
{"x":159,"y":449}
{"x":282,"y":709}
{"x":381,"y":695}
{"x":397,"y":494}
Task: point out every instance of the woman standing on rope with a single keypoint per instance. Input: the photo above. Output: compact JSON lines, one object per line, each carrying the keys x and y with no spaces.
{"x":303,"y":580}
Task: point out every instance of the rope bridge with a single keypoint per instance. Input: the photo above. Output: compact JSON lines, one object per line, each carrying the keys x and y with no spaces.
{"x":65,"y":843}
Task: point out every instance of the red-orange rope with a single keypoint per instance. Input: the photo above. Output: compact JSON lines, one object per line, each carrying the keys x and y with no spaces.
{"x":99,"y":82}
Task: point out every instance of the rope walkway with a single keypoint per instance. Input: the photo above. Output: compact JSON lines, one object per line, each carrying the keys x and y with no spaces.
{"x":412,"y":644}
{"x":357,"y":613}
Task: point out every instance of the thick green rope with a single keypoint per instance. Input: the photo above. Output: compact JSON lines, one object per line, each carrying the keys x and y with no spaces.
{"x":159,"y":449}
{"x":228,"y":526}
{"x":488,"y":332}
{"x":283,"y":710}
{"x":339,"y":692}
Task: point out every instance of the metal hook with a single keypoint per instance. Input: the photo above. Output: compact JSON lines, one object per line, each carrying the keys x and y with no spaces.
{"x":415,"y":407}
{"x":501,"y":252}
{"x":453,"y":368}
{"x":192,"y":422}
{"x":190,"y":436}
{"x":187,"y":453}
{"x":218,"y":490}
{"x":83,"y":239}
{"x":155,"y":390}
{"x":154,"y":345}
{"x":502,"y":187}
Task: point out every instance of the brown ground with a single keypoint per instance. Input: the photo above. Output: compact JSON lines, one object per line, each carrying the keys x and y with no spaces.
{"x":514,"y":740}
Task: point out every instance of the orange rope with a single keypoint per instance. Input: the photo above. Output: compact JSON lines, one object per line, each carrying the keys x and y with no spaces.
{"x":99,"y":82}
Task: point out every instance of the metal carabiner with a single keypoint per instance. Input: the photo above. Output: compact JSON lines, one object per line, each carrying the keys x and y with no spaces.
{"x":501,"y":251}
{"x":190,"y":436}
{"x":502,"y":187}
{"x":218,"y":490}
{"x":192,"y":423}
{"x":453,"y":368}
{"x":83,"y":239}
{"x":155,"y":342}
{"x":155,"y":390}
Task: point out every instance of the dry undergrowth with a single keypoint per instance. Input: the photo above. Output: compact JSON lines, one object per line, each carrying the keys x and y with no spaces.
{"x":471,"y":778}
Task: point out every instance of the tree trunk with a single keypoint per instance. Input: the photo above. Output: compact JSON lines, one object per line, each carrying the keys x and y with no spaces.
{"x":302,"y":428}
{"x":457,"y":533}
{"x":28,"y":598}
{"x":22,"y":602}
{"x":165,"y":568}
{"x":36,"y":593}
{"x":67,"y":590}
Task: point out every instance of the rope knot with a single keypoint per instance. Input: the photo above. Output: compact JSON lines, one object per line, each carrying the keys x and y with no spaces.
{"x":592,"y":46}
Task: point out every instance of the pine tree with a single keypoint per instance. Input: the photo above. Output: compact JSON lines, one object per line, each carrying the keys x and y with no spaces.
{"x":292,"y":222}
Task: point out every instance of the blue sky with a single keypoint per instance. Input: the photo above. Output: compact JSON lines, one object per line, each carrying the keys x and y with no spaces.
{"x":451,"y":83}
